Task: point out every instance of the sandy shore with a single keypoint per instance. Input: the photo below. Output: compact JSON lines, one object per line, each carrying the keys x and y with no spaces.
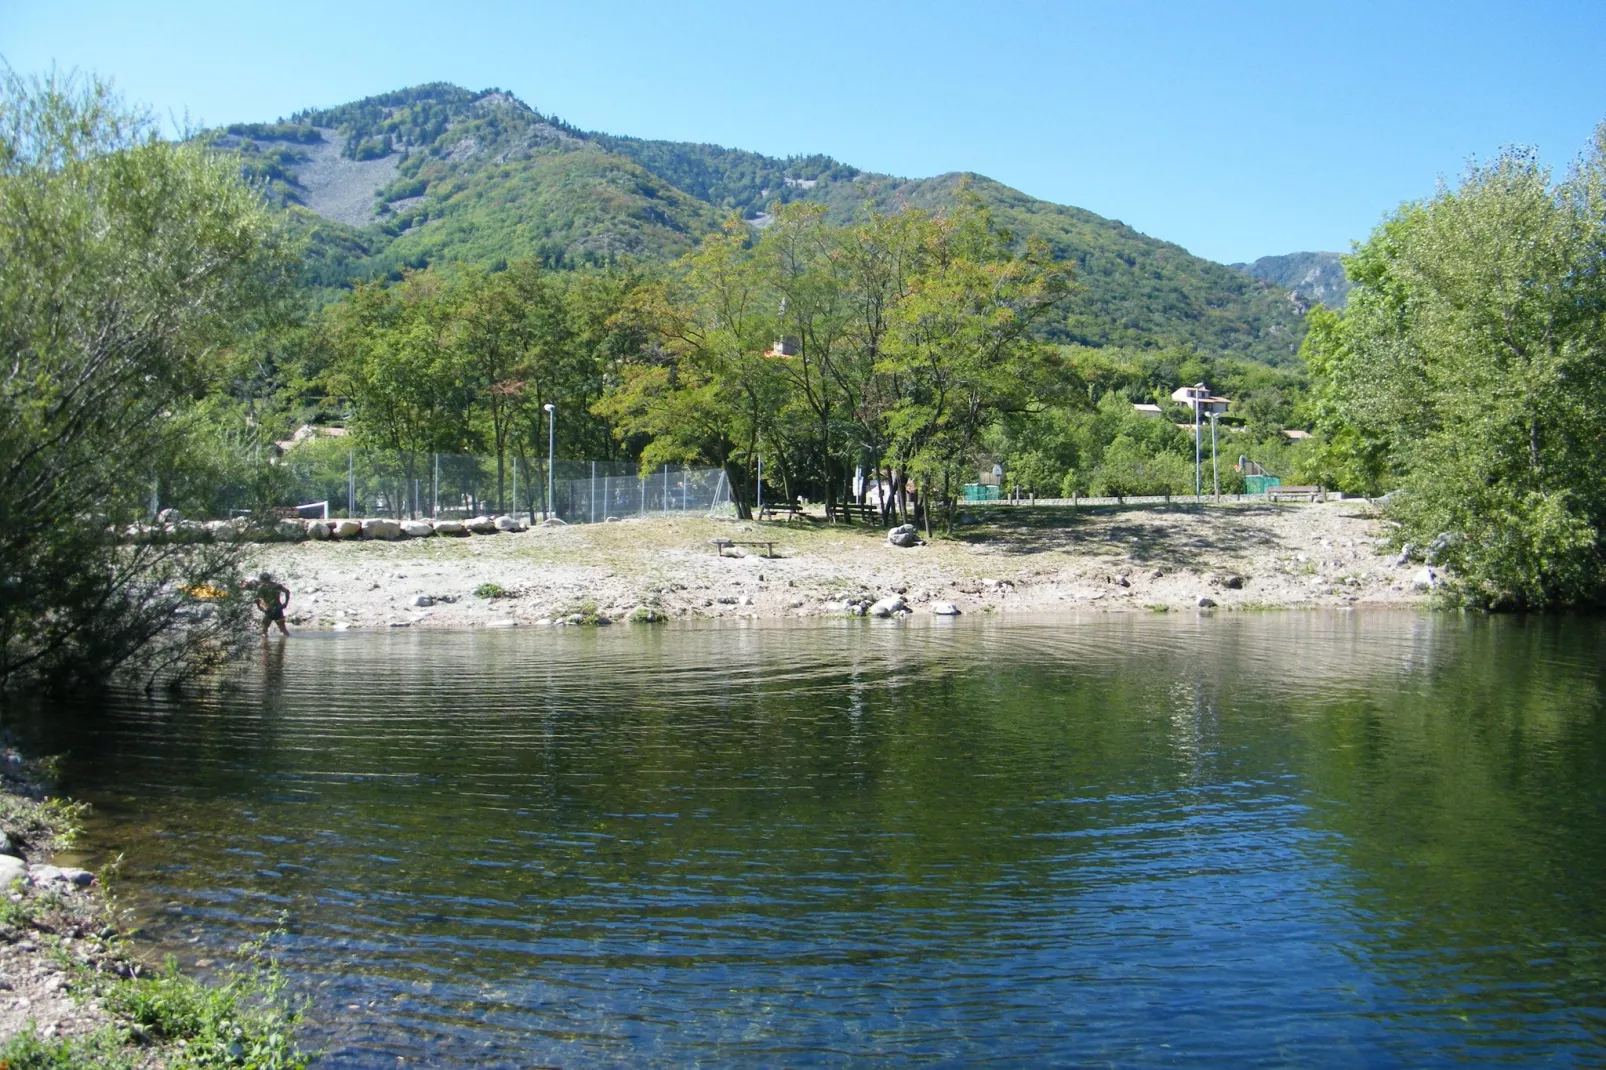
{"x":1006,"y":560}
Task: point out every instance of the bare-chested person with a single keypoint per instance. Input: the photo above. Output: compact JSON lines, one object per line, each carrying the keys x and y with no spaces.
{"x":272,"y":598}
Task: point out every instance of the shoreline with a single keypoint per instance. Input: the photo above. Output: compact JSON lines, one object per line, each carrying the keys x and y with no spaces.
{"x":1237,"y":557}
{"x":74,"y":990}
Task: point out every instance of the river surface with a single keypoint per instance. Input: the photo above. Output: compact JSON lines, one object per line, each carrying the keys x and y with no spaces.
{"x":1285,"y":839}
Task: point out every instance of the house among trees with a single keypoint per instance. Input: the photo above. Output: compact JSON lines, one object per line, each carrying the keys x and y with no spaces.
{"x":1150,"y":411}
{"x":1208,"y":402}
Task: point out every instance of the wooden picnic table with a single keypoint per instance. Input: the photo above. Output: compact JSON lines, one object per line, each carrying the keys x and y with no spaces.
{"x":793,"y":512}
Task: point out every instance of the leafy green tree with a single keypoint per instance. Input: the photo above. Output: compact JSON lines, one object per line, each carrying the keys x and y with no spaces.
{"x":397,"y":361}
{"x":1474,"y":349}
{"x":127,"y":264}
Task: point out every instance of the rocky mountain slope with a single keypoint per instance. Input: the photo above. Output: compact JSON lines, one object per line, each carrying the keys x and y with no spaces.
{"x":1312,"y":276}
{"x":437,"y":173}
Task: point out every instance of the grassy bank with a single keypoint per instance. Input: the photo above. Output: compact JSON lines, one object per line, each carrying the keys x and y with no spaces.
{"x":74,"y":990}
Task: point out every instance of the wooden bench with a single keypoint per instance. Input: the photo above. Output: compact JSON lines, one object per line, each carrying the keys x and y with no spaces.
{"x":1311,"y":493}
{"x":864,"y":514}
{"x":721,"y":545}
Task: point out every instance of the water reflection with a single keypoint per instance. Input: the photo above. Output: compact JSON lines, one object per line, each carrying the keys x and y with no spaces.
{"x":1308,"y":838}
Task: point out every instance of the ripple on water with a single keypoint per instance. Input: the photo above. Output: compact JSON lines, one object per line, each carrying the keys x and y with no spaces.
{"x":1326,"y":838}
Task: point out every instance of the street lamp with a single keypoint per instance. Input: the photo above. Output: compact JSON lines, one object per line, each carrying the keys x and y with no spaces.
{"x":551,"y":451}
{"x":1198,"y":395}
{"x":1215,"y":463}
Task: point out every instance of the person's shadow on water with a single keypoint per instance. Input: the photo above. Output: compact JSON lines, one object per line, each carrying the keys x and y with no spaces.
{"x":273,"y":663}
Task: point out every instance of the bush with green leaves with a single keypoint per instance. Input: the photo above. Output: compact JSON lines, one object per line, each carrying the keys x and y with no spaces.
{"x":1472,"y":362}
{"x":127,"y":263}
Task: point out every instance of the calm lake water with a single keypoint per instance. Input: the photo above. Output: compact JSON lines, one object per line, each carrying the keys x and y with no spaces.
{"x":1325,"y":839}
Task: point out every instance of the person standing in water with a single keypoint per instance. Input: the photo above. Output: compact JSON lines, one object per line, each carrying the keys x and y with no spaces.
{"x":272,"y":598}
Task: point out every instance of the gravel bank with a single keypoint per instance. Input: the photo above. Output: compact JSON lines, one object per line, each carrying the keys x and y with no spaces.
{"x":1009,"y":559}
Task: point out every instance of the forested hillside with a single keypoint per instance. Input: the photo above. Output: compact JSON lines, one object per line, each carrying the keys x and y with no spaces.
{"x":437,"y":174}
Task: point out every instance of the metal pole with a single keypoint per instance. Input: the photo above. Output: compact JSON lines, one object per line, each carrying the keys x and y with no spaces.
{"x":666,"y":488}
{"x":642,"y":480}
{"x":551,"y":452}
{"x":435,"y":491}
{"x":1198,"y":478}
{"x":351,"y":483}
{"x":593,"y":492}
{"x":1215,"y":462}
{"x":515,"y":486}
{"x":761,"y":482}
{"x":685,"y":486}
{"x":605,"y":492}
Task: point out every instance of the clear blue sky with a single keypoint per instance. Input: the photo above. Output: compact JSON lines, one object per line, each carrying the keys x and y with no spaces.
{"x":1234,"y":129}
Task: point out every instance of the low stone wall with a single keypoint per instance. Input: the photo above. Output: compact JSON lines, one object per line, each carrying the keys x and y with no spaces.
{"x":245,"y":529}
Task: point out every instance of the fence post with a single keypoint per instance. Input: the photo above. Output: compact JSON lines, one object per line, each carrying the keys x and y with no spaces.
{"x":641,"y":479}
{"x":666,"y":489}
{"x":593,"y":495}
{"x":685,"y":486}
{"x":435,"y":491}
{"x":515,"y":487}
{"x":351,"y":484}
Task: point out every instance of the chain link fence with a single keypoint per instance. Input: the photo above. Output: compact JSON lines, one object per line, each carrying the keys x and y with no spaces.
{"x":324,"y":477}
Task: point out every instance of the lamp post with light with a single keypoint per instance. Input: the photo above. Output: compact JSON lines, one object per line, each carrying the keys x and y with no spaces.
{"x":551,"y":451}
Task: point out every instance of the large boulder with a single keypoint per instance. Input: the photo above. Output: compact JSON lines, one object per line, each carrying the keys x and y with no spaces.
{"x":886,"y":607}
{"x":417,"y":529}
{"x":381,"y":528}
{"x":289,"y":530}
{"x":345,"y":529}
{"x":944,"y":609}
{"x":507,"y":523}
{"x":318,"y":530}
{"x":11,"y":869}
{"x":903,"y":535}
{"x":222,"y":531}
{"x":450,"y":527}
{"x":481,"y":525}
{"x":1425,"y":579}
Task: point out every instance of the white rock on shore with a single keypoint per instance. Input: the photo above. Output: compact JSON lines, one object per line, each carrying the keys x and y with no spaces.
{"x":417,"y":529}
{"x":380,"y":528}
{"x":886,"y":607}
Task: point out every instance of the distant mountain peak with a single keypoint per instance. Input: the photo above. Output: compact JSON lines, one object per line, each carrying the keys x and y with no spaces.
{"x":1310,"y":277}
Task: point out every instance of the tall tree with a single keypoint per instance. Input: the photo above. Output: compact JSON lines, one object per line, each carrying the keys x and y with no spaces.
{"x":1475,"y":348}
{"x":126,"y":264}
{"x":397,"y":361}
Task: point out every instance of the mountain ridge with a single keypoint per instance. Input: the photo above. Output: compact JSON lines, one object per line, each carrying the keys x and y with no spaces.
{"x":447,"y":174}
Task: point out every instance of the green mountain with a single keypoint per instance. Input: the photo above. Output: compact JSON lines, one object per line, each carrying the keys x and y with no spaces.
{"x":1311,"y":276}
{"x":437,"y":173}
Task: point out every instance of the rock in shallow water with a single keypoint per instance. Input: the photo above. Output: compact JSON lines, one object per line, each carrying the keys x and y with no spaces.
{"x":67,"y":874}
{"x":886,"y":607}
{"x":944,"y":609}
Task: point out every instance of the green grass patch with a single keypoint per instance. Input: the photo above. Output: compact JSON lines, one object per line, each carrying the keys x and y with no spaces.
{"x":105,"y":1049}
{"x":492,"y":590}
